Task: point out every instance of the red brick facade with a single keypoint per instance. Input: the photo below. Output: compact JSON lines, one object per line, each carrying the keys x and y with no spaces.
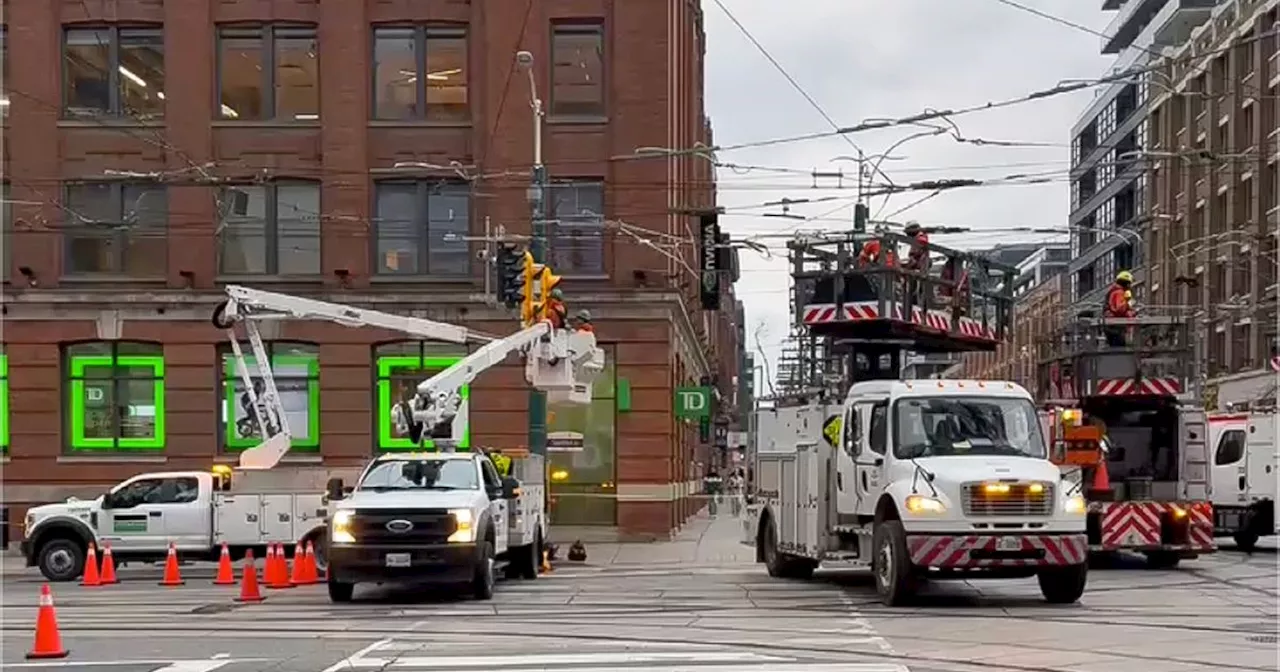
{"x":644,"y":302}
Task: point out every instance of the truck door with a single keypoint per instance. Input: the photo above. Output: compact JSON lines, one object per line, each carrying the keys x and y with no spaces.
{"x":1230,"y":470}
{"x":874,"y":416}
{"x":846,"y":461}
{"x":499,"y":511}
{"x":137,"y":519}
{"x":1193,"y":454}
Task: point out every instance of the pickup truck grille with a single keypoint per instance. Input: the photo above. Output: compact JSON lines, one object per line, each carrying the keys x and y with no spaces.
{"x":1007,"y":499}
{"x":430,"y":526}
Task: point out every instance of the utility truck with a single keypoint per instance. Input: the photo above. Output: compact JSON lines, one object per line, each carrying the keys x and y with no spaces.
{"x":914,"y":479}
{"x":1246,"y":457}
{"x":260,"y":501}
{"x":1124,"y":419}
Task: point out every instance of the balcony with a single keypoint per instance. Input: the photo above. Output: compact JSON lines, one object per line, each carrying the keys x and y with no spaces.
{"x":1165,"y":21}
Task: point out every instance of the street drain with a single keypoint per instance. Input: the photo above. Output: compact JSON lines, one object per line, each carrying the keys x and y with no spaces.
{"x":210,"y":609}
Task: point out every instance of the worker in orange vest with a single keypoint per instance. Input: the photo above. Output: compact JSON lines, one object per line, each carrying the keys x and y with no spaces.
{"x":581,"y":321}
{"x":1119,"y":305}
{"x":871,"y":253}
{"x":917,"y":260}
{"x":556,"y":310}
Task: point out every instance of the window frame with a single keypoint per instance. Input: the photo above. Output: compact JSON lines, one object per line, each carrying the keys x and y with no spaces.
{"x":431,"y":356}
{"x":422,"y":225}
{"x":115,"y":105}
{"x":1219,"y":449}
{"x":422,"y":36}
{"x":585,"y":26}
{"x":228,"y":441}
{"x":271,"y":226}
{"x":266,"y":34}
{"x":120,"y":237}
{"x":555,"y":219}
{"x":4,"y":403}
{"x":73,"y":367}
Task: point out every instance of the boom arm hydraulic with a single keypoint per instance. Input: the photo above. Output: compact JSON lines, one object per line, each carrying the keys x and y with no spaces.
{"x":555,"y":361}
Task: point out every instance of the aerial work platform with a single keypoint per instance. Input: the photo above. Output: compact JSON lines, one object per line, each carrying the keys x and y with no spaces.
{"x":1150,"y":355}
{"x":962,"y":303}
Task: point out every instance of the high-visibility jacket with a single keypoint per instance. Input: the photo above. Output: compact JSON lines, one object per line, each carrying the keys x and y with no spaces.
{"x":1118,"y":302}
{"x":918,"y":259}
{"x":870,"y":252}
{"x":557,"y":313}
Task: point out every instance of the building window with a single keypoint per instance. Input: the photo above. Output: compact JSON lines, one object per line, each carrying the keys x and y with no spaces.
{"x":398,"y":369}
{"x":270,"y":229}
{"x":582,"y":455}
{"x":577,"y":70}
{"x":420,"y":73}
{"x":113,"y":71}
{"x":576,"y":231}
{"x":295,"y":368}
{"x":272,"y":72}
{"x":114,"y":228}
{"x":115,"y":399}
{"x":421,"y":228}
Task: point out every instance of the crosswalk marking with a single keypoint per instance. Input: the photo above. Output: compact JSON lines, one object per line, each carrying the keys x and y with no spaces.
{"x":546,"y":660}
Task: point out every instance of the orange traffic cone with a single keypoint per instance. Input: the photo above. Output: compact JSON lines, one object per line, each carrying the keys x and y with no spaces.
{"x":1101,"y":479}
{"x":226,"y":573}
{"x":108,"y":566}
{"x":298,"y":577}
{"x":172,"y":577}
{"x":310,"y":573}
{"x":48,"y":641}
{"x":280,"y":574}
{"x":91,"y":577}
{"x":249,"y":591}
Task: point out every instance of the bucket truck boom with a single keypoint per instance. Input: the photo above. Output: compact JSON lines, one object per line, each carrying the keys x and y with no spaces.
{"x":558,"y":361}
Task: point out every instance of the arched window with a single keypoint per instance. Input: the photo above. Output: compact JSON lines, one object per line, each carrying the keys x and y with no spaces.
{"x":398,"y":368}
{"x":115,"y":399}
{"x":295,"y":367}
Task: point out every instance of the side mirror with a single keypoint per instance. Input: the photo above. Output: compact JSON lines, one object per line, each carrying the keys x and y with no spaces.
{"x":510,"y":488}
{"x":106,"y":501}
{"x":334,"y":490}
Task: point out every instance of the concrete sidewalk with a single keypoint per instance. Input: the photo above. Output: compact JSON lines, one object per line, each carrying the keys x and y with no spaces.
{"x":704,"y":540}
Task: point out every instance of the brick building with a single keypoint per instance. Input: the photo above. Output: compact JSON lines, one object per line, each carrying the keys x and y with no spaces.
{"x":157,"y":150}
{"x":1037,"y":314}
{"x":1214,"y":194}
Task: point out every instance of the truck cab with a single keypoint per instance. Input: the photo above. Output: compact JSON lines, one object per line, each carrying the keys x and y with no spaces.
{"x":440,"y":517}
{"x":1246,"y":455}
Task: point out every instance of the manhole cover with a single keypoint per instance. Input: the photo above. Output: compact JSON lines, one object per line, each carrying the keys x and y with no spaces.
{"x":209,"y":609}
{"x":1265,"y":639}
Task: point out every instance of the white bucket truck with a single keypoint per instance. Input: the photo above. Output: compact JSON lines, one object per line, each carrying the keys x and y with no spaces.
{"x":916,"y":480}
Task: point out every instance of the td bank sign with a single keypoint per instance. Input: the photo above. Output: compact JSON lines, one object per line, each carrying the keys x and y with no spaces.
{"x":693,"y":403}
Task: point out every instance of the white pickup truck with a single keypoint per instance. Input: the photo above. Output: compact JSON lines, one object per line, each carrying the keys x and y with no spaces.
{"x":438,"y":517}
{"x":196,"y":511}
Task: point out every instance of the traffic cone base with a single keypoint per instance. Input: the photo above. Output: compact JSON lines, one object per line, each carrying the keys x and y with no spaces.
{"x":48,"y":642}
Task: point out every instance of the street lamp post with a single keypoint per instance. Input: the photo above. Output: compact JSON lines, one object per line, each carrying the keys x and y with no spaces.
{"x":537,"y":428}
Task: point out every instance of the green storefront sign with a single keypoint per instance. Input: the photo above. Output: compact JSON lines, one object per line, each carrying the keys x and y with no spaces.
{"x":693,"y":403}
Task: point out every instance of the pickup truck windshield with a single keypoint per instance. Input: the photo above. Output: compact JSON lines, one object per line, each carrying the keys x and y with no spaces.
{"x":411,"y":474}
{"x":938,"y":426}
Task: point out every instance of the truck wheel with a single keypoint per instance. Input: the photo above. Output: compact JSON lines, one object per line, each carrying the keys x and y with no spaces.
{"x":891,"y":564}
{"x":1162,"y":560}
{"x":1246,"y":540}
{"x":61,"y":560}
{"x":1063,"y":585}
{"x":531,"y":559}
{"x":482,"y":583}
{"x":773,"y":560}
{"x":341,"y":592}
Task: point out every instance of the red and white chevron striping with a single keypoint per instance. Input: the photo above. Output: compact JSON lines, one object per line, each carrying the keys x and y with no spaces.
{"x":947,"y":551}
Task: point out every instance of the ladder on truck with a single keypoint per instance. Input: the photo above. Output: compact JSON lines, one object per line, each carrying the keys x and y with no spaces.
{"x":869,"y":313}
{"x":564,"y":363}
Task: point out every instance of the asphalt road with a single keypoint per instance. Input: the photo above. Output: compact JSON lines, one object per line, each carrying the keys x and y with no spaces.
{"x":1217,"y":613}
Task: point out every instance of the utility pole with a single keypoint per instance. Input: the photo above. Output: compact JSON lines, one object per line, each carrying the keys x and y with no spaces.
{"x":537,"y":243}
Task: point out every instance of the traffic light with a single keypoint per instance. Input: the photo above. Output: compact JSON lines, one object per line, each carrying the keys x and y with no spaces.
{"x":512,"y":274}
{"x":528,"y":271}
{"x":544,"y":282}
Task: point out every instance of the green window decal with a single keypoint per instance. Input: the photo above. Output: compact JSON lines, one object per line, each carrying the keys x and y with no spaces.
{"x":116,"y":397}
{"x":398,"y":376}
{"x":296,"y":371}
{"x":4,"y":403}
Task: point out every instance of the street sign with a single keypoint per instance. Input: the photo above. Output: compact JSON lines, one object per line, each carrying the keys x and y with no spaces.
{"x":565,"y":442}
{"x":693,"y":403}
{"x":709,"y":262}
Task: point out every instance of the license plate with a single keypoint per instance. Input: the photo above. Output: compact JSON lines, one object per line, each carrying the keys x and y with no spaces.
{"x":1009,"y":544}
{"x":398,"y":559}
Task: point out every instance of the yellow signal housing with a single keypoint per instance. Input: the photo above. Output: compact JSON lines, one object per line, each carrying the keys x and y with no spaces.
{"x":547,"y":281}
{"x":527,"y":309}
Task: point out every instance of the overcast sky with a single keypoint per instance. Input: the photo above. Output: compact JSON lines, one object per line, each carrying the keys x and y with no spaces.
{"x":861,"y":59}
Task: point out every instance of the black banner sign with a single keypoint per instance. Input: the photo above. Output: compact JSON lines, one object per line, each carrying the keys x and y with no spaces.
{"x":709,"y":261}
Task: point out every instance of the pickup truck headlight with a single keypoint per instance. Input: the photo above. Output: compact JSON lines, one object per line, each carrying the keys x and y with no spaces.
{"x":340,"y":528}
{"x":921,"y":505}
{"x":465,"y":532}
{"x":1074,"y":504}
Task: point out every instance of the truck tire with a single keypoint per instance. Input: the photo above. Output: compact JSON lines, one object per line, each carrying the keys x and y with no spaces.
{"x":340,"y":592}
{"x":1063,"y":585}
{"x":482,"y":582}
{"x":1246,"y":540}
{"x":783,"y":565}
{"x":529,"y":559}
{"x":891,"y":565}
{"x":61,"y":559}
